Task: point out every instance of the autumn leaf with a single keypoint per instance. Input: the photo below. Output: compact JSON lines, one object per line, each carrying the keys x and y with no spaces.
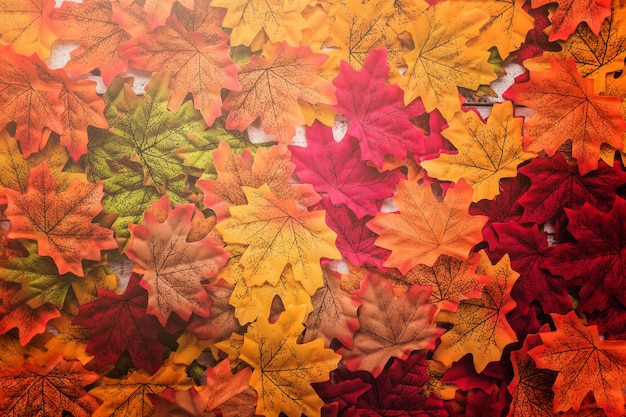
{"x":557,"y":184}
{"x":505,"y":206}
{"x":59,"y":221}
{"x":50,"y":390}
{"x":13,"y":353}
{"x":194,"y":67}
{"x":487,"y":152}
{"x":272,"y":87}
{"x":283,"y":368}
{"x":334,"y":313}
{"x":440,"y":61}
{"x":611,"y":320}
{"x":272,"y":167}
{"x":119,"y":323}
{"x":202,"y":18}
{"x":28,"y":321}
{"x":173,"y":268}
{"x":596,"y":54}
{"x":159,"y":10}
{"x":27,"y":26}
{"x":337,"y":170}
{"x":584,"y":363}
{"x":70,"y":341}
{"x":506,"y":28}
{"x":451,"y":280}
{"x":277,"y":234}
{"x":228,"y":393}
{"x":570,"y":13}
{"x":128,"y":396}
{"x":28,"y":100}
{"x":390,"y":325}
{"x":95,"y":24}
{"x":136,"y":158}
{"x":567,"y":109}
{"x":278,"y":19}
{"x":597,"y":255}
{"x":479,"y":325}
{"x":221,"y":321}
{"x":425,"y":228}
{"x":531,"y":387}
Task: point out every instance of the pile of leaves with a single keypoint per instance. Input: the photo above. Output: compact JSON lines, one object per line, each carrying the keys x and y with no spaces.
{"x":393,"y":260}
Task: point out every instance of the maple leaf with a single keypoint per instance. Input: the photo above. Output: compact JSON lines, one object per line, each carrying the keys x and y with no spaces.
{"x":506,"y":28}
{"x":174,"y":269}
{"x":557,"y":184}
{"x":221,"y":321}
{"x":28,"y":321}
{"x":505,"y":206}
{"x":390,"y":325}
{"x":136,"y":158}
{"x":119,"y":323}
{"x":440,"y":61}
{"x":487,"y":152}
{"x":129,"y":396}
{"x":71,"y":340}
{"x":95,"y":23}
{"x":194,"y":67}
{"x":272,"y":88}
{"x":337,"y":170}
{"x":27,"y":99}
{"x":611,"y":320}
{"x":596,"y":54}
{"x":49,"y":390}
{"x":159,"y":11}
{"x":597,"y":255}
{"x":59,"y":221}
{"x":377,"y":116}
{"x":451,"y":280}
{"x":27,"y":26}
{"x":570,"y":13}
{"x":567,"y":108}
{"x":528,"y":250}
{"x":272,"y":167}
{"x":278,"y":19}
{"x":425,"y":228}
{"x":531,"y":387}
{"x":585,"y":363}
{"x":283,"y":368}
{"x":277,"y":234}
{"x":202,"y":18}
{"x":355,"y":241}
{"x":479,"y":325}
{"x":334,"y":313}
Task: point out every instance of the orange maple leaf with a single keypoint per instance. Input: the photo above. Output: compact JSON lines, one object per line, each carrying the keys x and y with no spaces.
{"x":202,"y":18}
{"x":425,"y":228}
{"x":479,"y":325}
{"x":49,"y":390}
{"x":570,"y":13}
{"x":271,"y":89}
{"x":278,"y":233}
{"x":159,"y":10}
{"x":196,"y":68}
{"x":585,"y":363}
{"x":272,"y":167}
{"x":26,"y":26}
{"x":59,"y":221}
{"x":390,"y":326}
{"x":174,"y":269}
{"x":568,"y":109}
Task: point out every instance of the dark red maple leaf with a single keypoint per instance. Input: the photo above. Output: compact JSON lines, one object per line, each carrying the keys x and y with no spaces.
{"x":119,"y":323}
{"x":598,"y":256}
{"x":557,"y":184}
{"x":504,"y":207}
{"x":378,"y":117}
{"x":480,"y":404}
{"x":536,"y":39}
{"x":611,"y":320}
{"x":355,"y":240}
{"x":463,"y":374}
{"x":528,"y":249}
{"x":336,"y":168}
{"x":340,"y":394}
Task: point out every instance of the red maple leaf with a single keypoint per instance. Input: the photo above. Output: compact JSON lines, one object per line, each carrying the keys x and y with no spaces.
{"x":528,"y":250}
{"x":221,"y":322}
{"x":556,"y":184}
{"x":503,"y":207}
{"x":355,"y":240}
{"x":378,"y":117}
{"x":119,"y":323}
{"x":598,"y":256}
{"x":611,"y":320}
{"x":336,"y":168}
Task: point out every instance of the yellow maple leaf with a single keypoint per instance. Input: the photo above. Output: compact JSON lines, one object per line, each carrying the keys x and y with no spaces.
{"x":26,"y":26}
{"x":278,"y":234}
{"x":487,"y":152}
{"x":283,"y":368}
{"x":441,"y":62}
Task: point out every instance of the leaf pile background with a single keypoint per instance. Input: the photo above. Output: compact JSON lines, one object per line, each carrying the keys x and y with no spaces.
{"x":312,"y":207}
